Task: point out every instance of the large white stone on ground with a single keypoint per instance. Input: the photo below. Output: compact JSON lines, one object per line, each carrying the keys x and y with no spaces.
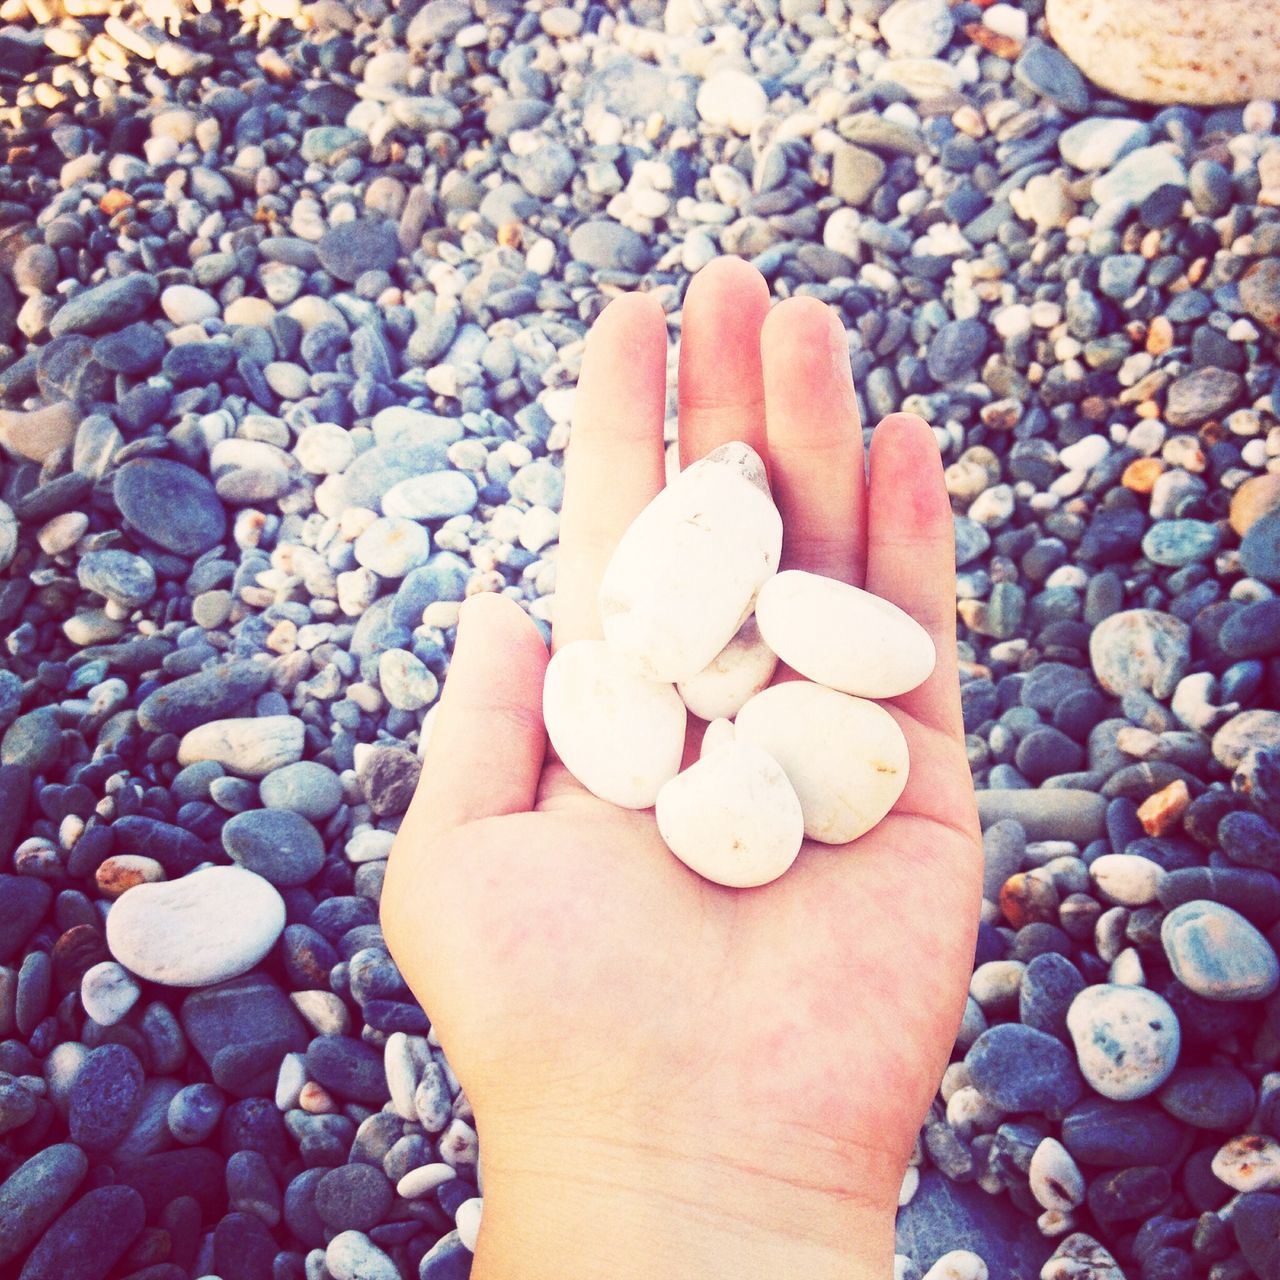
{"x":620,"y":735}
{"x":738,"y":672}
{"x":252,"y":746}
{"x":843,"y":637}
{"x":685,"y":574}
{"x":208,"y":926}
{"x":845,"y":756}
{"x":732,"y":817}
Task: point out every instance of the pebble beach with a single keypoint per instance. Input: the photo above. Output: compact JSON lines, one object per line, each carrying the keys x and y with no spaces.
{"x":293,"y":298}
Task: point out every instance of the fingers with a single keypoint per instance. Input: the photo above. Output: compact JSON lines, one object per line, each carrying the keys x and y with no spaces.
{"x":911,"y":555}
{"x":614,"y":464}
{"x":721,"y":383}
{"x":815,"y":440}
{"x":487,"y":743}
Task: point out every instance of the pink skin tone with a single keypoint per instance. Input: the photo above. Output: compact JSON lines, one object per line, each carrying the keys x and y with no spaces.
{"x":672,"y":1078}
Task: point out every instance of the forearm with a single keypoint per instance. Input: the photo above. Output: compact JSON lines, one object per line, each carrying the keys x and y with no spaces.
{"x":606,"y":1216}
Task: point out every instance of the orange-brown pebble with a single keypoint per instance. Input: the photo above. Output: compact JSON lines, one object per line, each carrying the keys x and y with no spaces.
{"x":1253,"y":500}
{"x":1026,"y":899}
{"x":1141,"y":474}
{"x":124,"y":871}
{"x":316,"y":1099}
{"x":1159,"y":336}
{"x":115,"y":200}
{"x":992,"y":41}
{"x":1162,"y":812}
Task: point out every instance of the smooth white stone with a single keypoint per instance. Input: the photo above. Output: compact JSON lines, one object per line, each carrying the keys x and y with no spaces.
{"x":718,"y":733}
{"x":107,"y":993}
{"x":685,"y":574}
{"x":252,"y":746}
{"x":1127,"y":878}
{"x":843,"y":637}
{"x":1055,"y":1178}
{"x":959,"y":1264}
{"x":732,"y":817}
{"x":467,"y":1219}
{"x":424,"y":1179}
{"x":208,"y":926}
{"x":620,"y":735}
{"x":846,"y":757}
{"x":1248,"y":1163}
{"x":1126,"y":1039}
{"x":738,"y":672}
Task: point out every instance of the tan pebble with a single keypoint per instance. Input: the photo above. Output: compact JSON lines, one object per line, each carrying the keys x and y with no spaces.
{"x":124,"y":871}
{"x":316,"y":1100}
{"x":1253,"y":500}
{"x":1141,"y":475}
{"x":1161,"y":813}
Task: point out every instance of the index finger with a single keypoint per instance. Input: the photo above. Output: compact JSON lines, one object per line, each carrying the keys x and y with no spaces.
{"x":614,"y":464}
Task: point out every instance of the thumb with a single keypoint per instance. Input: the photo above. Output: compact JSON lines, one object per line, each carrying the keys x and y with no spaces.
{"x":486,"y":749}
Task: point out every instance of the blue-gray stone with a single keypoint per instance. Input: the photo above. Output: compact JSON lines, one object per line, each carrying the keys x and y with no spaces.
{"x":1254,"y":632}
{"x":350,"y":1068}
{"x":1119,"y":273}
{"x":1176,"y":543}
{"x":1115,"y":1135}
{"x":137,"y":348}
{"x":348,"y":250}
{"x":541,"y":483}
{"x":122,"y":577}
{"x":35,"y":1192}
{"x":306,"y":787}
{"x":1197,"y":397}
{"x":105,"y":1097}
{"x":1260,"y":549}
{"x":443,"y":577}
{"x":194,"y":1112}
{"x":172,"y":504}
{"x":1052,"y":75}
{"x":1021,"y":1069}
{"x":1049,"y":984}
{"x":195,"y":364}
{"x":33,"y":740}
{"x":609,"y":246}
{"x":110,"y":305}
{"x":956,"y":349}
{"x":280,"y":845}
{"x":212,"y":694}
{"x":86,"y":1241}
{"x":1217,"y":953}
{"x":436,"y":495}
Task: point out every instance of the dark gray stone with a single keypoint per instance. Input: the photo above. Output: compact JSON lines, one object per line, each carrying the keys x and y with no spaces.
{"x":172,"y":504}
{"x":35,"y":1192}
{"x":89,"y":1238}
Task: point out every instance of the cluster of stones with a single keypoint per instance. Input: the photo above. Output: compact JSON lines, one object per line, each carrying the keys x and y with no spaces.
{"x":696,"y":617}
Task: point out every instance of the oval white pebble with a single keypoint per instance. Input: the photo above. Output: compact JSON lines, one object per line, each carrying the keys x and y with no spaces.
{"x":1126,"y":1039}
{"x":732,"y":817}
{"x":467,"y":1219}
{"x":424,"y":1179}
{"x":1056,"y":1180}
{"x":620,"y":735}
{"x":959,"y":1264}
{"x":1250,"y":1162}
{"x":739,"y":671}
{"x":1127,"y":878}
{"x":208,"y":926}
{"x":843,"y":637}
{"x":685,"y":574}
{"x":107,"y":992}
{"x":845,"y":757}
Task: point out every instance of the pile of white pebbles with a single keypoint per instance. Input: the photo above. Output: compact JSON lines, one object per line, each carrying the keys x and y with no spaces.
{"x":696,"y":618}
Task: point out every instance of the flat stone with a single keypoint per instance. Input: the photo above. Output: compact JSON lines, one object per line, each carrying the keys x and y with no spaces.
{"x":35,"y":1192}
{"x":110,"y":305}
{"x":349,"y":1068}
{"x":1098,"y":142}
{"x":23,"y":903}
{"x":1140,"y":650}
{"x":1217,"y":953}
{"x":1126,"y":1039}
{"x":172,"y":504}
{"x":39,"y":433}
{"x":1048,"y":73}
{"x":249,"y":746}
{"x":1047,"y":814}
{"x":1260,"y":549}
{"x":349,"y":249}
{"x":1020,"y":1069}
{"x":281,"y":846}
{"x":1260,"y":292}
{"x":89,"y":1238}
{"x":608,"y":245}
{"x":1138,"y":174}
{"x":1114,"y":1135}
{"x":105,"y":1097}
{"x":212,"y":694}
{"x":1197,"y":397}
{"x":917,"y":28}
{"x":206,"y":927}
{"x":308,"y":788}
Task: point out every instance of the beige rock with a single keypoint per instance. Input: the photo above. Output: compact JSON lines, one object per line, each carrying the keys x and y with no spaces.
{"x":1182,"y":51}
{"x":738,"y":672}
{"x":37,"y":433}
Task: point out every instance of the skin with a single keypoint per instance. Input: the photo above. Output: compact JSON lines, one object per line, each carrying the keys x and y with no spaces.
{"x":672,"y":1078}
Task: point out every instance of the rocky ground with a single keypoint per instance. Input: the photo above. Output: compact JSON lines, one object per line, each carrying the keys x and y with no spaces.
{"x":292,"y":302}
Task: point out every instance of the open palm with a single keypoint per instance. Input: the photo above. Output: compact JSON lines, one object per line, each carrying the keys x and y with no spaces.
{"x":593,"y":994}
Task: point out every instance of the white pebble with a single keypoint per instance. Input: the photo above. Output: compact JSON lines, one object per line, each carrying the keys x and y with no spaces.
{"x":1127,"y":878}
{"x":732,"y":817}
{"x":1056,"y":1180}
{"x":620,"y":735}
{"x":107,"y":992}
{"x":424,"y":1180}
{"x":843,"y":637}
{"x":351,"y":1255}
{"x":738,"y":672}
{"x":685,"y":574}
{"x":467,"y":1219}
{"x":718,"y":733}
{"x":959,"y":1264}
{"x":845,"y":757}
{"x":1250,"y":1162}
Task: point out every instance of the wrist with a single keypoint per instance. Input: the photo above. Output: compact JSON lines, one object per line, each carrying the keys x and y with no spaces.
{"x":597,"y":1209}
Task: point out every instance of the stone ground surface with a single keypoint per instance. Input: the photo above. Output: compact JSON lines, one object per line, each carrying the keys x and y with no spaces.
{"x":292,"y":304}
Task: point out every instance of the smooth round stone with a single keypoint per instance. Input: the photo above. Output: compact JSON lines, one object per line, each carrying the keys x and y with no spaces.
{"x":393,"y":546}
{"x":405,"y":679}
{"x":1180,"y":542}
{"x":1260,"y":549}
{"x":1127,"y":878}
{"x":730,"y":98}
{"x":1255,"y":1220}
{"x":1018,"y":1068}
{"x":843,"y":637}
{"x":437,"y":495}
{"x":194,"y":1112}
{"x":845,"y":757}
{"x":732,"y":817}
{"x":1097,"y":143}
{"x":34,"y":1193}
{"x":325,"y":448}
{"x":172,"y":504}
{"x":354,"y":1197}
{"x":185,"y":304}
{"x":277,"y":844}
{"x":620,"y":735}
{"x":1140,"y":650}
{"x":467,"y":1219}
{"x":349,"y":249}
{"x":739,"y":671}
{"x":105,"y":1097}
{"x":958,"y":1264}
{"x":252,"y":746}
{"x":1254,"y":632}
{"x":1055,"y":1178}
{"x":1210,"y":1097}
{"x":1217,"y":953}
{"x":685,"y":574}
{"x":1126,"y":1039}
{"x":107,"y":993}
{"x":916,"y":28}
{"x":1256,"y":730}
{"x":122,"y":577}
{"x":307,"y":787}
{"x":86,"y":1241}
{"x":206,"y":927}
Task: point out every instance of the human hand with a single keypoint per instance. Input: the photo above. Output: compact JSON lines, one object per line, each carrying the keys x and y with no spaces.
{"x":672,"y":1078}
